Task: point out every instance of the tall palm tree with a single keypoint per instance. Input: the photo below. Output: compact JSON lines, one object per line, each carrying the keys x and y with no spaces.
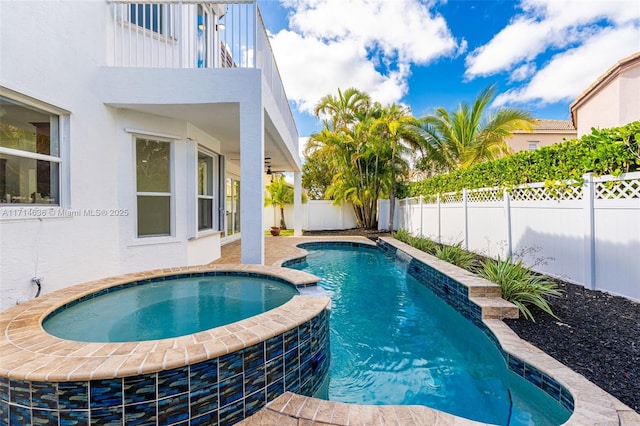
{"x":343,"y":110}
{"x":467,"y":135}
{"x":396,"y":125}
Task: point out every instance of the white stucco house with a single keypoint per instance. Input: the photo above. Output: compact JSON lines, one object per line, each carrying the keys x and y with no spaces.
{"x":133,"y":136}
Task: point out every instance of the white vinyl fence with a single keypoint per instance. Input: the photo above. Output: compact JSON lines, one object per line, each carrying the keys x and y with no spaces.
{"x":317,"y":215}
{"x":589,"y":235}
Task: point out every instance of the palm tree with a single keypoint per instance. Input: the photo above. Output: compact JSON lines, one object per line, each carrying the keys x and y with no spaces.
{"x":343,"y":110}
{"x":397,"y":126}
{"x":280,"y":193}
{"x":467,"y":136}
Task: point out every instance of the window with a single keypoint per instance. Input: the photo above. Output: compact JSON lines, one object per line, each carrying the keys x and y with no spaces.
{"x":533,"y":145}
{"x":29,"y":154}
{"x":153,"y":183}
{"x":233,"y":206}
{"x":207,"y":183}
{"x":154,"y":17}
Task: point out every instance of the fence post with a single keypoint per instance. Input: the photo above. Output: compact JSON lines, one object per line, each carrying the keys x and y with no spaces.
{"x":406,"y":218}
{"x":465,"y":199}
{"x":421,"y":216}
{"x":588,"y":197}
{"x":439,"y":219}
{"x":507,"y":215}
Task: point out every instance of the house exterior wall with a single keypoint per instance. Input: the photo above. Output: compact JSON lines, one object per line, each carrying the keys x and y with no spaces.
{"x":602,"y":110}
{"x":520,"y":141}
{"x":612,"y":100}
{"x":64,"y":67}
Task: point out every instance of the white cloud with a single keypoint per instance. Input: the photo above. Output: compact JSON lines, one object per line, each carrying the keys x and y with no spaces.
{"x":546,"y":24}
{"x":367,"y":44}
{"x":569,"y":73}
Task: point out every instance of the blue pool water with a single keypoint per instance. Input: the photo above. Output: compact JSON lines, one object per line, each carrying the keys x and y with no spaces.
{"x":163,"y":309}
{"x":394,"y":342}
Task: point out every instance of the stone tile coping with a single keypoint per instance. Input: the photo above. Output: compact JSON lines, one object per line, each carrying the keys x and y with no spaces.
{"x":592,"y":405}
{"x":28,"y":352}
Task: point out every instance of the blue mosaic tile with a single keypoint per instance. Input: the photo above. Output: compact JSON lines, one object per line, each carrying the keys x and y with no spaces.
{"x":204,"y":375}
{"x":106,"y":416}
{"x":4,"y":412}
{"x":253,"y":356}
{"x":566,"y":399}
{"x":4,"y":389}
{"x":291,"y":382}
{"x":74,"y":418}
{"x":305,"y":351}
{"x":305,"y":373}
{"x":516,"y":365}
{"x":209,"y":419}
{"x":254,"y":381}
{"x":230,"y":365}
{"x":140,"y":388}
{"x":174,"y":409}
{"x":44,"y":395}
{"x":254,"y":402}
{"x":73,"y":396}
{"x":291,"y":360}
{"x":275,"y":369}
{"x":291,"y":340}
{"x":143,"y":413}
{"x":231,"y":390}
{"x":533,"y":375}
{"x":20,"y":392}
{"x":551,"y":387}
{"x":19,"y":415}
{"x":44,"y":417}
{"x":275,"y":389}
{"x":304,"y":331}
{"x":274,"y":346}
{"x":203,"y":401}
{"x":173,"y":382}
{"x":105,"y":393}
{"x":232,"y":413}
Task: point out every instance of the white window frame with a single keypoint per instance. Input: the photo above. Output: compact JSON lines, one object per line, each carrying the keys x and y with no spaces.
{"x":159,"y":137}
{"x":215,"y":189}
{"x":531,"y":147}
{"x":62,"y":159}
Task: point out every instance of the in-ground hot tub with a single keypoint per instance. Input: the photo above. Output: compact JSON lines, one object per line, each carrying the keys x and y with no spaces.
{"x":216,"y":375}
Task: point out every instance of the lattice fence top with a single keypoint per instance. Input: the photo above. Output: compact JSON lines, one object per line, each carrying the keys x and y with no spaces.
{"x":451,"y":197}
{"x":617,"y":189}
{"x":542,"y":193}
{"x":626,"y":186}
{"x":485,"y":195}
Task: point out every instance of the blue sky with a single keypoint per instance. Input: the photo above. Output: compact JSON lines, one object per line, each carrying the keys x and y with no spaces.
{"x":429,"y":53}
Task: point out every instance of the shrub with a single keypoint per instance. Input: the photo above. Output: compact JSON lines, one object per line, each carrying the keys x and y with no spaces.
{"x":603,"y":152}
{"x":520,"y":286}
{"x":424,"y":244}
{"x":456,"y":255}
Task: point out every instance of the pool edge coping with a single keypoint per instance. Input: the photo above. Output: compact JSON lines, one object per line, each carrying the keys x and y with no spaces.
{"x":29,"y":353}
{"x":592,"y":405}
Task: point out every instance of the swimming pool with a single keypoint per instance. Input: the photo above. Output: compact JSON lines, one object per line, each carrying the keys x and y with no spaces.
{"x":393,"y":341}
{"x":168,"y":308}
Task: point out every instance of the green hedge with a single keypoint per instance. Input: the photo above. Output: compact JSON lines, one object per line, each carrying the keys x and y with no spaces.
{"x":604,"y":152}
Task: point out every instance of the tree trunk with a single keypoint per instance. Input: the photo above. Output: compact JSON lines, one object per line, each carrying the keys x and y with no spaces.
{"x":282,"y":224}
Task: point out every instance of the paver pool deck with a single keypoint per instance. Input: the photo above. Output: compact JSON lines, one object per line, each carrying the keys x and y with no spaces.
{"x":593,"y":406}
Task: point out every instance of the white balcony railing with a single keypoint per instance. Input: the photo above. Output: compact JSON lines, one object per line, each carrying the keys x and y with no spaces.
{"x":195,"y":34}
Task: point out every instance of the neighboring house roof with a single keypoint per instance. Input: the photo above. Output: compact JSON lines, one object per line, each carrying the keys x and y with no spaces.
{"x":551,"y":126}
{"x":602,"y":81}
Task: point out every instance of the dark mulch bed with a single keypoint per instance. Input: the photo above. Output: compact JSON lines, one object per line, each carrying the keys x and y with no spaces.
{"x":596,"y":335}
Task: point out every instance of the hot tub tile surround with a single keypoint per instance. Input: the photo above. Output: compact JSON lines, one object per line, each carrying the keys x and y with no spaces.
{"x":236,"y":371}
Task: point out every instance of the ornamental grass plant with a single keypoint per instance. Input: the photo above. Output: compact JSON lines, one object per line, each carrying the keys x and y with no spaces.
{"x":520,"y":286}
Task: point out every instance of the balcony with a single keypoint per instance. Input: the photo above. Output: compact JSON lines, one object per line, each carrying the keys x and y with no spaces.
{"x":185,"y":34}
